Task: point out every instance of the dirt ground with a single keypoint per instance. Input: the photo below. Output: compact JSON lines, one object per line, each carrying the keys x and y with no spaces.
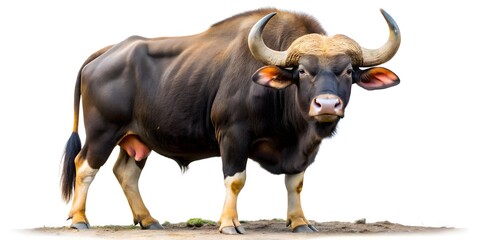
{"x":262,"y":229}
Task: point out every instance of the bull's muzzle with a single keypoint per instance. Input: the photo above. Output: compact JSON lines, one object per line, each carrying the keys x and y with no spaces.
{"x":326,"y":108}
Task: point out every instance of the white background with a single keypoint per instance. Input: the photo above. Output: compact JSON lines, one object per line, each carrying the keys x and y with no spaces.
{"x":405,"y":154}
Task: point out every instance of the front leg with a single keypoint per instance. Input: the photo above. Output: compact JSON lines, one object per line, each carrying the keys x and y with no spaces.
{"x":295,"y":218}
{"x":229,"y":223}
{"x":233,"y":149}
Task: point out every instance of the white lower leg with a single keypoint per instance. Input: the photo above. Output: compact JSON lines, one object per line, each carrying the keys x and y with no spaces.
{"x":294,"y":185}
{"x":128,"y":174}
{"x":233,"y":185}
{"x":84,"y":177}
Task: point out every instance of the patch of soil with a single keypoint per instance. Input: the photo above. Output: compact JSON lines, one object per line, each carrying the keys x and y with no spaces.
{"x":261,"y":229}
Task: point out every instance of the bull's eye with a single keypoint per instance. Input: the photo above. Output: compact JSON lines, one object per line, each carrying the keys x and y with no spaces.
{"x":301,"y":71}
{"x":349,"y":71}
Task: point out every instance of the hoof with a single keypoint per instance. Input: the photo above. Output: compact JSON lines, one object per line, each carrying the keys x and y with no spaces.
{"x":80,"y":225}
{"x":305,"y":229}
{"x":240,"y":229}
{"x":153,"y":226}
{"x":233,"y":230}
{"x":313,"y":228}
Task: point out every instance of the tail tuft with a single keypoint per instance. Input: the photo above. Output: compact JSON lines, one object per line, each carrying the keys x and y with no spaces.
{"x":67,"y":181}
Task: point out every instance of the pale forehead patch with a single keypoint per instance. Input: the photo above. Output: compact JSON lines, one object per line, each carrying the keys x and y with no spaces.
{"x":321,"y":45}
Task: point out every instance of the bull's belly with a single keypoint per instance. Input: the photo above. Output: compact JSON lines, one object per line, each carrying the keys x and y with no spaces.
{"x":184,"y":149}
{"x":139,"y":150}
{"x":184,"y":138}
{"x":187,"y":155}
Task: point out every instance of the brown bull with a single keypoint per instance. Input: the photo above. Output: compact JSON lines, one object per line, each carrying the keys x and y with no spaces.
{"x":189,"y":98}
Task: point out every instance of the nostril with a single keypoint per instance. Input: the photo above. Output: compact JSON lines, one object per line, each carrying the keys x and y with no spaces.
{"x":338,"y":104}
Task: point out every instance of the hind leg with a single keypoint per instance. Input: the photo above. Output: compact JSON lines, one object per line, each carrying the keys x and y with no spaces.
{"x":128,"y":170}
{"x":84,"y":177}
{"x":98,"y":147}
{"x":87,"y":163}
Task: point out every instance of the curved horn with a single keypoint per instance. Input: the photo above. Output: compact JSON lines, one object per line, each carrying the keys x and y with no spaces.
{"x":372,"y":57}
{"x":258,"y":48}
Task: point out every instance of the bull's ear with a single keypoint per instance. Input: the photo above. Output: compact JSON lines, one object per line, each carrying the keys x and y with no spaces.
{"x":274,"y":77}
{"x":376,"y":78}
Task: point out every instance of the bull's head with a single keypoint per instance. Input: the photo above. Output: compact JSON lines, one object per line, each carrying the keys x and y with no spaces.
{"x":324,"y":68}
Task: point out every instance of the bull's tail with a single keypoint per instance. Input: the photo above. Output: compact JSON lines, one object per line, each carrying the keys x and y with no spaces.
{"x":72,"y":148}
{"x":68,"y":174}
{"x":74,"y":145}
